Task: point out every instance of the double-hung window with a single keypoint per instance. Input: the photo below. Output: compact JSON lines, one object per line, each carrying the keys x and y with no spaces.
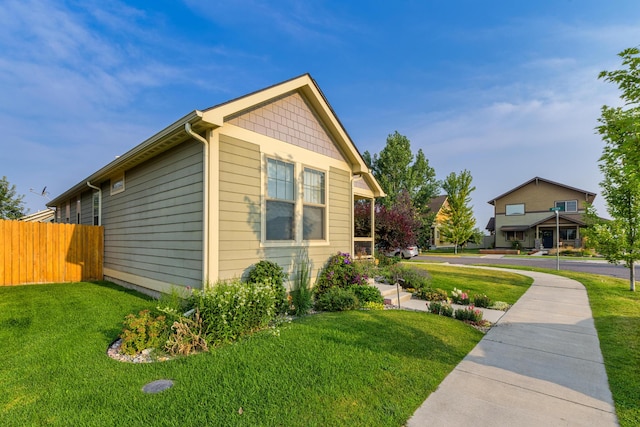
{"x":568,"y":205}
{"x":280,"y":219}
{"x":313,"y":214}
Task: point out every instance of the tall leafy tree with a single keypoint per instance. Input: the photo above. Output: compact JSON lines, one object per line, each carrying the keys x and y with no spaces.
{"x":397,"y":169}
{"x":11,"y":204}
{"x":459,"y":227}
{"x":619,"y":239}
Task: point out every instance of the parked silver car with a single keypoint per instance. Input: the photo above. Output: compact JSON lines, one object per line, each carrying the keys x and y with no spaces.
{"x":406,"y":253}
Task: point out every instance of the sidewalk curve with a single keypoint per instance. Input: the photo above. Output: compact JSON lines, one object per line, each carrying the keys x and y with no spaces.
{"x":540,"y":365}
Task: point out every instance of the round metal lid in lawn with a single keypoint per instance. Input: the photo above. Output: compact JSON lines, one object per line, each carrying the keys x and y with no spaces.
{"x":157,"y":386}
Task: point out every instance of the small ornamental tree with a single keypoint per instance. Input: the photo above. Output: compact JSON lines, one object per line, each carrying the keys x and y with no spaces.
{"x":397,"y":226}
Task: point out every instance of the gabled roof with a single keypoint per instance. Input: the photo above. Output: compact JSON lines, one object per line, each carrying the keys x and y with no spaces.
{"x":537,"y":179}
{"x":436,"y":203}
{"x":215,"y":117}
{"x":491,"y":225}
{"x":577,"y":219}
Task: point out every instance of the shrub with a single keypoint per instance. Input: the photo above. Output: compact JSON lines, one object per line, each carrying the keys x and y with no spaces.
{"x":469,"y":314}
{"x":441,"y":308}
{"x":434,"y":307}
{"x":268,"y":272}
{"x":367,"y":293}
{"x":340,"y":272}
{"x":336,"y":299}
{"x":187,"y":336}
{"x":500,"y":305}
{"x":481,"y":300}
{"x":459,"y":297}
{"x":386,"y":261}
{"x":431,"y":294}
{"x":174,"y":303}
{"x":301,"y":295}
{"x":370,"y":305}
{"x":232,"y":309}
{"x":446,"y":310}
{"x":408,"y":277}
{"x":143,"y":331}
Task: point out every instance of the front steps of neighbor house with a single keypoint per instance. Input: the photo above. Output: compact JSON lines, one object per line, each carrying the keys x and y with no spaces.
{"x":390,"y":293}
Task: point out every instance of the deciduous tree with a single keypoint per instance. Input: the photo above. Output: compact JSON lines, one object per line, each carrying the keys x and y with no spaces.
{"x":11,"y":204}
{"x":397,"y":226}
{"x":459,"y":225}
{"x":398,"y":171}
{"x":619,"y":239}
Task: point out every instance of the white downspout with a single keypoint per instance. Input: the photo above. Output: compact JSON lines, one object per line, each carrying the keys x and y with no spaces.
{"x":205,"y":203}
{"x":99,"y":201}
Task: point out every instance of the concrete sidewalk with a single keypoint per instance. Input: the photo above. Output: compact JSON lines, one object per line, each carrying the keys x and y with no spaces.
{"x":540,"y":365}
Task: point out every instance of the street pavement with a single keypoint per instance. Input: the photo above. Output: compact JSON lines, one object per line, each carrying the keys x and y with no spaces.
{"x":584,"y":265}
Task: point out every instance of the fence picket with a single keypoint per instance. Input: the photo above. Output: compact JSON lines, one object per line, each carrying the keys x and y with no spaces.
{"x":48,"y":253}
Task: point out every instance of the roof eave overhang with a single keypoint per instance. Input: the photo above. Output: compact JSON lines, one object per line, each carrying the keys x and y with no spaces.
{"x":167,"y":138}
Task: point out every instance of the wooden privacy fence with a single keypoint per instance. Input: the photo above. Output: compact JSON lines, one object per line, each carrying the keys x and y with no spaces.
{"x":34,"y":252}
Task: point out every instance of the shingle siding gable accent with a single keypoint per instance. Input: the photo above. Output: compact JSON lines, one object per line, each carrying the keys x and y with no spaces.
{"x":289,"y":118}
{"x":154,"y":229}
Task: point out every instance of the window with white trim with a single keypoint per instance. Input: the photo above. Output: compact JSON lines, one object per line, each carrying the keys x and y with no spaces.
{"x":568,"y":205}
{"x":280,"y":204}
{"x":117,"y":184}
{"x":313,"y":215}
{"x":96,"y":208}
{"x":517,"y":209}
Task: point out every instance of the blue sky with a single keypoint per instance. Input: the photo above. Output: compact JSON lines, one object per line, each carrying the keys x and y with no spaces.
{"x":505,"y":89}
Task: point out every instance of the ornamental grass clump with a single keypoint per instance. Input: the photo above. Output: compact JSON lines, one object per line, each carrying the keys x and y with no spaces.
{"x":301,"y":296}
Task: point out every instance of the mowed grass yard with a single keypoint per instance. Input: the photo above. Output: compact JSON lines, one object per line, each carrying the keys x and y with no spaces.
{"x":361,"y":368}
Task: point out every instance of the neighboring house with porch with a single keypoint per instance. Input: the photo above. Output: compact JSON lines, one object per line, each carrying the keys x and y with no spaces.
{"x":256,"y":178}
{"x":525,"y":215}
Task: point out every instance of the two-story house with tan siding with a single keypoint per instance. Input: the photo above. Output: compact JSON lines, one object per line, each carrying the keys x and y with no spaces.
{"x":258,"y":177}
{"x":526,"y":215}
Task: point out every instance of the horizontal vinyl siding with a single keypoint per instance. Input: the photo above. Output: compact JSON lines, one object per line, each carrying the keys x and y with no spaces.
{"x":240,"y":218}
{"x":154,"y":228}
{"x":340,"y":210}
{"x":241,"y":215}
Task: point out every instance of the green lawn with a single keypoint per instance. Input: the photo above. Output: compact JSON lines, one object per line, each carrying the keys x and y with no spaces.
{"x":497,"y":285}
{"x":616,"y":314}
{"x":353,"y":369}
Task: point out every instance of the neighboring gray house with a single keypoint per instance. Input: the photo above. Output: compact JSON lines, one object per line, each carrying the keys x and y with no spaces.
{"x":258,"y":177}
